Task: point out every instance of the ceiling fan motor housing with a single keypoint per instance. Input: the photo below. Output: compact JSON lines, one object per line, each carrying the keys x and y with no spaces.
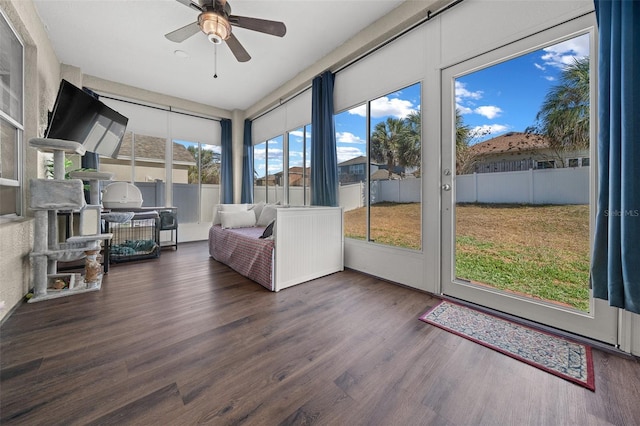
{"x":215,"y":26}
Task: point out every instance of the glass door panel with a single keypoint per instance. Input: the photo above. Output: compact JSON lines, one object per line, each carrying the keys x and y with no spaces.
{"x":517,"y":195}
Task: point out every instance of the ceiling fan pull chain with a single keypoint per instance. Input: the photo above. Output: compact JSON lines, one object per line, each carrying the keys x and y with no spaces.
{"x":215,"y":61}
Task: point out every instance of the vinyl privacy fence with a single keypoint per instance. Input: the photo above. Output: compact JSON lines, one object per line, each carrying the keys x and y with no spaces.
{"x":547,"y":186}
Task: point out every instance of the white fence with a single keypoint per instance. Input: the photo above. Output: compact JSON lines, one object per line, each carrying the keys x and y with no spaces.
{"x":547,"y":186}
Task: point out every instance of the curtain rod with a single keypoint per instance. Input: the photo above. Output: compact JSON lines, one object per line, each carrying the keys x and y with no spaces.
{"x":430,"y":16}
{"x":159,"y":108}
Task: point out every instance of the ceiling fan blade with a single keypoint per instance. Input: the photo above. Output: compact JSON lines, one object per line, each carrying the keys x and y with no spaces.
{"x":181,"y":34}
{"x":237,"y":49}
{"x":261,"y":25}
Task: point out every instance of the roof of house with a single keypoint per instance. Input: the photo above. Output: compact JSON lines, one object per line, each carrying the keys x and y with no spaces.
{"x":153,"y":148}
{"x":383,"y":174}
{"x":356,"y":160}
{"x":510,"y":142}
{"x":298,"y":170}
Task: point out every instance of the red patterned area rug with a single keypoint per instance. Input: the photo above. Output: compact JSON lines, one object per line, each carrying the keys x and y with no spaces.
{"x":557,"y":355}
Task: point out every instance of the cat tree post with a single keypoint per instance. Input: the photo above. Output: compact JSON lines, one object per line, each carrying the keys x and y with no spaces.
{"x":47,"y":197}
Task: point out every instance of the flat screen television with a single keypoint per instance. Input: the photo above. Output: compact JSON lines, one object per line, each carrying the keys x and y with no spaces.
{"x":80,"y":117}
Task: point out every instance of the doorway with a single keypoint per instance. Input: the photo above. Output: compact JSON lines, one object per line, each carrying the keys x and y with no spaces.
{"x":519,"y":180}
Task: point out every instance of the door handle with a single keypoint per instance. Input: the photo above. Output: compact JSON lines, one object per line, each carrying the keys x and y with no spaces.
{"x":446,"y":187}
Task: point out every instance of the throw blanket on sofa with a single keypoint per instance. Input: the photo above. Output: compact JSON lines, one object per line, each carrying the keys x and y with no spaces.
{"x":243,"y":251}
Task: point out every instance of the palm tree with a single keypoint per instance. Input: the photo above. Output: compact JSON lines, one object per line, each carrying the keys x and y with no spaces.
{"x":209,"y":166}
{"x":410,"y":147}
{"x":386,"y":139}
{"x":564,"y":115}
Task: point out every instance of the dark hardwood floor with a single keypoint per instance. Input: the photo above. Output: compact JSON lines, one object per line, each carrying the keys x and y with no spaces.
{"x":184,"y":340}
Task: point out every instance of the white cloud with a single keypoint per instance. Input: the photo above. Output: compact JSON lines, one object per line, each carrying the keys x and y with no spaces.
{"x":565,"y":53}
{"x":489,"y":111}
{"x":347,"y":152}
{"x":214,"y":148}
{"x":488,"y":129}
{"x":359,"y":110}
{"x":550,"y":78}
{"x":275,"y":154}
{"x":275,"y":167}
{"x":348,"y":137}
{"x":385,"y":106}
{"x":540,"y":67}
{"x":396,"y":107}
{"x":463,"y":94}
{"x":297,"y":133}
{"x":295,"y":157}
{"x":259,"y":153}
{"x":463,"y":109}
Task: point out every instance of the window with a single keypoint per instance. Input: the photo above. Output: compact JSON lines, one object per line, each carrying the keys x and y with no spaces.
{"x":174,"y":146}
{"x":268,"y":169}
{"x":351,"y":146}
{"x":195,"y":177}
{"x":585,"y":162}
{"x":11,"y":119}
{"x":260,"y":172}
{"x":502,"y":223}
{"x":384,"y":204}
{"x":550,"y":164}
{"x":299,"y":159}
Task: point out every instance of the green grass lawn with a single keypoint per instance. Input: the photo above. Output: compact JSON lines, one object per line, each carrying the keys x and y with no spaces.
{"x":538,"y":251}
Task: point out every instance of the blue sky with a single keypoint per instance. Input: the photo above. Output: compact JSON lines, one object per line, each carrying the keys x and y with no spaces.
{"x":351,"y":125}
{"x":502,"y":98}
{"x":506,"y":97}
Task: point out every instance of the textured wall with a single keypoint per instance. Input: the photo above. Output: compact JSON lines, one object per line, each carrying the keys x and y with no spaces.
{"x":42,"y":77}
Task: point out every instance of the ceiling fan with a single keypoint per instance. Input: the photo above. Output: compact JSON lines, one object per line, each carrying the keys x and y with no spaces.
{"x":215,"y":20}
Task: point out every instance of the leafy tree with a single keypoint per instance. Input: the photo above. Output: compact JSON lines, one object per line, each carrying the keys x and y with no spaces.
{"x":209,"y":161}
{"x":410,"y":146}
{"x":397,"y":142}
{"x":385,"y":141}
{"x":564,"y":115}
{"x":465,"y":159}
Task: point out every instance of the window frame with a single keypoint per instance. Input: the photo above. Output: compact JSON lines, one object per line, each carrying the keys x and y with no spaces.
{"x":368,"y":182}
{"x":16,"y":181}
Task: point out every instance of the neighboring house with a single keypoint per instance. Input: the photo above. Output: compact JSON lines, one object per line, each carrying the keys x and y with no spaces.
{"x":269,"y":180}
{"x":149,"y":160}
{"x":383,"y":174}
{"x":515,"y":151}
{"x":298,"y":176}
{"x":355,"y":170}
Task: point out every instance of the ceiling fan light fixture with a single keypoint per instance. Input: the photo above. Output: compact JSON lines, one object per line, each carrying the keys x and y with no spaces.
{"x":215,"y":26}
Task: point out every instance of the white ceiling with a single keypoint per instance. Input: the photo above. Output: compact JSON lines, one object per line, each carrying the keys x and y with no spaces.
{"x":123,"y":41}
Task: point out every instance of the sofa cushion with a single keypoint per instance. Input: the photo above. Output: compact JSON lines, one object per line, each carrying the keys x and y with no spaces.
{"x":227,"y":208}
{"x":237,"y":219}
{"x":268,"y":214}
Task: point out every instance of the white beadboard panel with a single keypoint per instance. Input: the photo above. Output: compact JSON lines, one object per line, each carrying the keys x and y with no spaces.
{"x":401,"y":266}
{"x":630,"y":332}
{"x":635,"y":334}
{"x":309,"y":244}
